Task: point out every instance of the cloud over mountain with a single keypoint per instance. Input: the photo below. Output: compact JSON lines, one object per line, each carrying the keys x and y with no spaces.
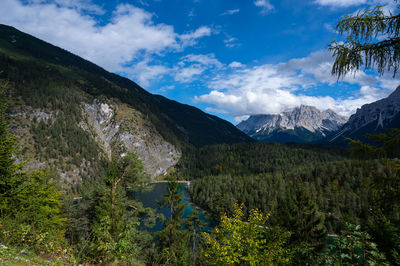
{"x":273,"y":88}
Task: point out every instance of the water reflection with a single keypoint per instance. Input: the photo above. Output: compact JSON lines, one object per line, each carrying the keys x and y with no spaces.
{"x":150,"y":200}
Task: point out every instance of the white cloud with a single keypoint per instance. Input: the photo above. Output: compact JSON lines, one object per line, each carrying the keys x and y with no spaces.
{"x":265,"y":5}
{"x":204,"y":59}
{"x":192,"y":66}
{"x":319,"y":65}
{"x":346,"y":3}
{"x":329,"y":27}
{"x":189,"y":39}
{"x":166,"y":88}
{"x":80,"y":5}
{"x":187,"y":74}
{"x":271,"y":88}
{"x":388,"y":82}
{"x":235,"y":64}
{"x":340,"y":3}
{"x":142,"y":2}
{"x":129,"y":34}
{"x":230,"y":12}
{"x":143,"y":72}
{"x":231,"y":42}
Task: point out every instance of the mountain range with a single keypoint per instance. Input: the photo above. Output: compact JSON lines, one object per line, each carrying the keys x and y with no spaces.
{"x":308,"y":124}
{"x":71,"y":115}
{"x":301,"y":124}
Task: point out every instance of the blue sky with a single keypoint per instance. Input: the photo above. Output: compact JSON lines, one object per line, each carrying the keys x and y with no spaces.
{"x":232,"y":58}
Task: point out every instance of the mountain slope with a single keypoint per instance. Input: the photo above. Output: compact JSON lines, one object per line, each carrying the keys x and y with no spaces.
{"x":302,"y":124}
{"x":73,"y":114}
{"x":16,"y":42}
{"x":375,"y":117}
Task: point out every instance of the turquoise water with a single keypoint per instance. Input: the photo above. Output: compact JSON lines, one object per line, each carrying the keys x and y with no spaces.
{"x":150,"y":200}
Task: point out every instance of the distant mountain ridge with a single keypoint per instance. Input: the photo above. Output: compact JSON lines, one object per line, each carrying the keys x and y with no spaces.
{"x":301,"y":124}
{"x":370,"y":118}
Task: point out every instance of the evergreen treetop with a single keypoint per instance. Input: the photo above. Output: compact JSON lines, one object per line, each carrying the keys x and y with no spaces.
{"x":373,"y":41}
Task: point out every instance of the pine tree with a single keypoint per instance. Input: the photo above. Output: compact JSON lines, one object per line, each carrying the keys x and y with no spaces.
{"x":194,"y":226}
{"x":300,"y":215}
{"x":11,"y":175}
{"x":173,"y":240}
{"x":115,"y":230}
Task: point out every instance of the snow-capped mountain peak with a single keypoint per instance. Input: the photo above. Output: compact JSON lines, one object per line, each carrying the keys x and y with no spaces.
{"x":307,"y":118}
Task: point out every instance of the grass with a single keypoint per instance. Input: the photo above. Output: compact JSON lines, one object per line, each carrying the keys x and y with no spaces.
{"x":12,"y":256}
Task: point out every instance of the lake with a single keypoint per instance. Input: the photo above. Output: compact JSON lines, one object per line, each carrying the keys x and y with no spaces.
{"x":151,"y":198}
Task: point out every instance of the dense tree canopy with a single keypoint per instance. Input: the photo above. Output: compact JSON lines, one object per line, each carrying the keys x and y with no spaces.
{"x":30,"y":206}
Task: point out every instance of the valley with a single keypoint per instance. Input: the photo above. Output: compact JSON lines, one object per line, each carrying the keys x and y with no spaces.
{"x":95,"y":170}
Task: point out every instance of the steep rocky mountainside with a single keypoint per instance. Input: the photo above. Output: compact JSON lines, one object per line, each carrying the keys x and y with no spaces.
{"x":302,"y":124}
{"x":118,"y":129}
{"x":73,"y":116}
{"x":108,"y":128}
{"x":374,"y":117}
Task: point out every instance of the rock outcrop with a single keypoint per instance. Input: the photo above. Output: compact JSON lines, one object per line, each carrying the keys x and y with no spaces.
{"x":118,"y":129}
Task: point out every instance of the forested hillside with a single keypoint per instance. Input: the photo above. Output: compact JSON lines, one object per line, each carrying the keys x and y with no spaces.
{"x":254,"y":158}
{"x":304,"y":188}
{"x":72,"y":115}
{"x":170,"y":117}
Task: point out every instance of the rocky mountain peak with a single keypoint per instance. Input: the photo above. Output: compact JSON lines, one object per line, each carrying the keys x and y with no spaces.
{"x":304,"y":117}
{"x":372,"y":117}
{"x":307,"y":109}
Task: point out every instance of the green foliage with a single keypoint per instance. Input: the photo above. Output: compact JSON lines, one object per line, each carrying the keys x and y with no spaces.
{"x":351,"y":247}
{"x":384,"y":146}
{"x":373,"y":40}
{"x":194,"y":227}
{"x":298,"y":213}
{"x":30,"y":206}
{"x":384,"y":188}
{"x":251,"y":242}
{"x":33,"y":217}
{"x":253,"y":158}
{"x":58,"y":141}
{"x":10,"y":172}
{"x":172,"y":240}
{"x":115,"y":233}
{"x":338,"y":189}
{"x":16,"y":256}
{"x":387,"y":235}
{"x":354,"y":247}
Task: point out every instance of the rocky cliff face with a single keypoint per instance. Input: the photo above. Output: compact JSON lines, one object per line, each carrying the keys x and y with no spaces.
{"x":113,"y":127}
{"x":373,"y":117}
{"x":303,"y":120}
{"x":118,"y":129}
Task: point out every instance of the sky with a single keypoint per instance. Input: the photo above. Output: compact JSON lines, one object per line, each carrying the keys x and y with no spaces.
{"x":231,"y":58}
